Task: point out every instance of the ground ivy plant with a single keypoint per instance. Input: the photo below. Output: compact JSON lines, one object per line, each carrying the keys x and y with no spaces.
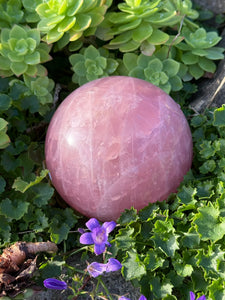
{"x":48,"y":48}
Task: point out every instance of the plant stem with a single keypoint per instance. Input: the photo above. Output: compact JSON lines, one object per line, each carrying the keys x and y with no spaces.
{"x":82,"y":287}
{"x":105,"y":288}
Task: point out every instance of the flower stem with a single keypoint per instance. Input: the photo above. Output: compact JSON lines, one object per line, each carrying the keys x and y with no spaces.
{"x":105,"y":288}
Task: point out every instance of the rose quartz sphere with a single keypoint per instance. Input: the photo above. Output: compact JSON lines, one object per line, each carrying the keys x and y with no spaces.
{"x":117,"y":142}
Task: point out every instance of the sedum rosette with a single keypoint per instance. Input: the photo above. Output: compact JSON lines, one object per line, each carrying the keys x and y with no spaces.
{"x":70,"y":16}
{"x":21,"y":51}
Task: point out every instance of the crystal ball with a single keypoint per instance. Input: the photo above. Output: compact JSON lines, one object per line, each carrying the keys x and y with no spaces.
{"x":115,"y":143}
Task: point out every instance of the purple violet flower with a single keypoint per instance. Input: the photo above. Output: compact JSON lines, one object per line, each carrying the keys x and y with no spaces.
{"x":98,"y":235}
{"x":95,"y":269}
{"x":113,"y":265}
{"x":192,"y":297}
{"x":142,"y":298}
{"x":55,"y":284}
{"x":125,"y":298}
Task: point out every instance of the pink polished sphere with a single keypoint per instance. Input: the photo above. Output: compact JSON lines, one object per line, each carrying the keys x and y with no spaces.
{"x":117,"y":142}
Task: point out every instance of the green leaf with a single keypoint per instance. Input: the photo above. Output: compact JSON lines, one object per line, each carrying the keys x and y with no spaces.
{"x":43,"y":193}
{"x":18,"y":68}
{"x":152,"y":260}
{"x":132,"y":266}
{"x":149,"y":212}
{"x":219,"y":116}
{"x":66,"y":24}
{"x":129,"y":46}
{"x":158,"y":37}
{"x":210,"y":259}
{"x":32,"y":59}
{"x":112,"y":65}
{"x":190,"y":239}
{"x":176,"y":83}
{"x":215,"y":53}
{"x":4,"y":63}
{"x":51,"y":269}
{"x":5,"y":102}
{"x":2,"y":184}
{"x":208,"y":166}
{"x":171,"y":67}
{"x":4,"y":140}
{"x":14,"y":209}
{"x":142,"y":32}
{"x":58,"y":231}
{"x":182,"y":268}
{"x":91,"y":52}
{"x":160,"y":289}
{"x":124,"y":239}
{"x":129,"y":25}
{"x":121,"y":39}
{"x":73,"y":9}
{"x":18,"y":32}
{"x":128,"y":216}
{"x":138,"y":73}
{"x":189,"y":59}
{"x":165,"y":238}
{"x":207,"y":65}
{"x":130,"y":60}
{"x":217,"y":289}
{"x":196,"y":71}
{"x":209,"y":224}
{"x":21,"y":185}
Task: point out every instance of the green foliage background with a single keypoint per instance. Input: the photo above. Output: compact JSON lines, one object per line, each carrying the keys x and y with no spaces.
{"x":49,"y":48}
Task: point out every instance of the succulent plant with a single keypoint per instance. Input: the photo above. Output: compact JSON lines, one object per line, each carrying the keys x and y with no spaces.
{"x":30,"y":13}
{"x":4,"y":138}
{"x":21,"y":51}
{"x":41,"y":87}
{"x":160,"y":71}
{"x":10,"y":13}
{"x":197,"y":51}
{"x":92,"y":63}
{"x":139,"y":21}
{"x":70,"y":16}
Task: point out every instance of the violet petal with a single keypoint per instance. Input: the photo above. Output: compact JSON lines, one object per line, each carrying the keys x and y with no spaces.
{"x":113,"y":265}
{"x":95,"y":269}
{"x":142,"y":298}
{"x":99,"y":236}
{"x":109,"y":226}
{"x":99,"y":248}
{"x":55,"y":284}
{"x":86,"y":238}
{"x":192,"y":296}
{"x":124,"y":298}
{"x":92,"y":223}
{"x":202,"y":298}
